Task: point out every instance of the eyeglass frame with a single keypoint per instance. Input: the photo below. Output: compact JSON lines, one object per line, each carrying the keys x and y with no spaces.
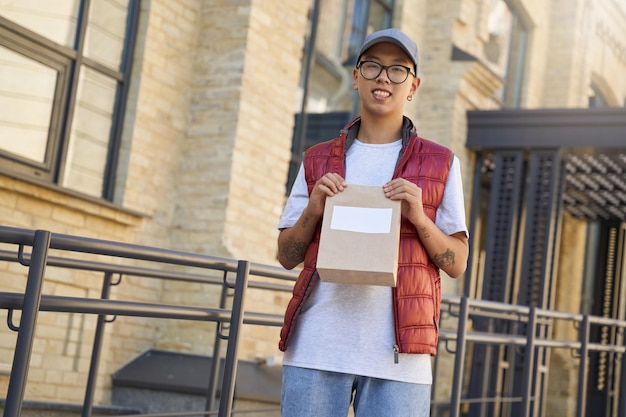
{"x":359,"y":65}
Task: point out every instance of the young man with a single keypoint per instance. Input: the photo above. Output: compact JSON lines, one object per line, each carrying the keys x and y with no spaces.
{"x":361,"y":344}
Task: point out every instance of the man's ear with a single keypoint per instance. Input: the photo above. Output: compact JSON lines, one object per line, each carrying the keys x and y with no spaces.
{"x":416,"y":84}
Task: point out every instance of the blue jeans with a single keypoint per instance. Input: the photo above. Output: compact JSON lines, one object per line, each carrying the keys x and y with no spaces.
{"x":313,"y":393}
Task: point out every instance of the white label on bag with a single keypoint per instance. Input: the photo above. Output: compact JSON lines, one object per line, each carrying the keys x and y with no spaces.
{"x":361,"y":220}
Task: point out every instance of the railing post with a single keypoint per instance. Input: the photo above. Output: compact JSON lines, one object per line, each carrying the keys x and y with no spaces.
{"x":232,"y":350}
{"x":459,"y":359}
{"x":26,"y":333}
{"x":217,"y":347}
{"x":529,"y":363}
{"x":96,"y":350}
{"x":621,"y":406}
{"x":583,"y":366}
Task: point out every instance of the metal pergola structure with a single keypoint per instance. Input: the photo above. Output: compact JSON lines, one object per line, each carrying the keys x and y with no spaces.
{"x":590,"y":144}
{"x":531,"y":167}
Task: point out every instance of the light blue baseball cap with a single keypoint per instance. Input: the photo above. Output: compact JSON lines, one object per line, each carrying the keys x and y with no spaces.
{"x":394,"y":36}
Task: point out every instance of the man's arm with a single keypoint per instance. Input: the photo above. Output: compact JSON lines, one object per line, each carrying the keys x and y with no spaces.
{"x":448,"y":252}
{"x":294,"y":241}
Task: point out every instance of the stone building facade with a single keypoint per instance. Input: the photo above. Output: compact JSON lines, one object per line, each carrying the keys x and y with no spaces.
{"x":207,"y":130}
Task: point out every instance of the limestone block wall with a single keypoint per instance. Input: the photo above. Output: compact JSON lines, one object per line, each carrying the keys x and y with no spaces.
{"x":262,"y":147}
{"x":150,"y":177}
{"x":157,"y":116}
{"x":59,"y":362}
{"x":566,"y":64}
{"x":608,"y":51}
{"x":235,"y":153}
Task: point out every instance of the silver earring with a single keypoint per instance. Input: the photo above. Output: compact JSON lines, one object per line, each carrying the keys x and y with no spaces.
{"x":409,"y":98}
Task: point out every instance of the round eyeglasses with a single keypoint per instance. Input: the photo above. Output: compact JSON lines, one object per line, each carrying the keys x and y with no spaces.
{"x":397,"y":74}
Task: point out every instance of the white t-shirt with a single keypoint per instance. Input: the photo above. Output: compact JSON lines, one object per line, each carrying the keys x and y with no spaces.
{"x":349,"y":328}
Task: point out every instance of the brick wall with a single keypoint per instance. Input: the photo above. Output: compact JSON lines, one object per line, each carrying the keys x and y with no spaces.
{"x":235,"y":154}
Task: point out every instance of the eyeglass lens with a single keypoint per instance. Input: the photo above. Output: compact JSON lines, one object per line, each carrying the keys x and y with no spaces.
{"x":371,"y":70}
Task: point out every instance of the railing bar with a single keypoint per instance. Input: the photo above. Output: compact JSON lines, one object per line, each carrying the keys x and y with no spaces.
{"x":490,"y":338}
{"x":96,"y":350}
{"x":17,"y":236}
{"x":529,"y":365}
{"x":62,"y":304}
{"x":476,"y":304}
{"x":265,"y":319}
{"x":120,"y":249}
{"x":151,"y":273}
{"x":459,"y":359}
{"x":132,"y":251}
{"x":269,"y":271}
{"x":215,"y":361}
{"x":583,"y":370}
{"x":80,"y":264}
{"x":28,"y":321}
{"x":232,"y":350}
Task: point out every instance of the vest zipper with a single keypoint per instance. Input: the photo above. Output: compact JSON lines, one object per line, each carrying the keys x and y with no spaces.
{"x":395,"y":353}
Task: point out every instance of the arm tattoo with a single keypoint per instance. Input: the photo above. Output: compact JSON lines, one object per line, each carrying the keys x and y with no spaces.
{"x":425,"y":233}
{"x":294,"y":250}
{"x":444,"y":259}
{"x":305,"y":222}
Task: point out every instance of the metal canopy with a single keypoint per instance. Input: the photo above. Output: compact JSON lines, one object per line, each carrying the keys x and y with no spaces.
{"x":592,"y":143}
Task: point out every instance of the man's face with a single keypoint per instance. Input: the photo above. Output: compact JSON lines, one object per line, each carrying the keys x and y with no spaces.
{"x":384,"y":94}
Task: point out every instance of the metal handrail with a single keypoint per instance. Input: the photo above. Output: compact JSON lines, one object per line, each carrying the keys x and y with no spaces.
{"x":465,"y":309}
{"x":32,"y":301}
{"x":25,"y":237}
{"x":183,"y":276}
{"x":215,"y":271}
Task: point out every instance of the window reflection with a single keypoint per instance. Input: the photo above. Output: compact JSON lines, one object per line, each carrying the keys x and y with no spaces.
{"x":91,"y":128}
{"x":53,"y":19}
{"x":106,"y":30}
{"x":64,"y":73}
{"x":26,"y":97}
{"x":499,"y":27}
{"x":505,"y":51}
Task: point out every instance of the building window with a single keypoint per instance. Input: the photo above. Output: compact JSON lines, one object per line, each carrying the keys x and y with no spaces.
{"x":505,"y":50}
{"x":328,"y":101}
{"x":367,"y":17}
{"x":64,"y":72}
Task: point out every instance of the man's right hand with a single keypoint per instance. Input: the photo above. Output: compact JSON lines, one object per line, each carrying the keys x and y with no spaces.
{"x":294,"y":241}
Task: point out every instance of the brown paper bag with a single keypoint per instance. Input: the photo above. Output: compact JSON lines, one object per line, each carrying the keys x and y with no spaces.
{"x":360,"y":238}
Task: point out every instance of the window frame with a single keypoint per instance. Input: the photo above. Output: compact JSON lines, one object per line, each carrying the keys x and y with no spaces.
{"x":68,"y":61}
{"x":31,"y":49}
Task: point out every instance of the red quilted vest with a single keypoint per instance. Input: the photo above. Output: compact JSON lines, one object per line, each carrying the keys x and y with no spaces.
{"x":417,"y":295}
